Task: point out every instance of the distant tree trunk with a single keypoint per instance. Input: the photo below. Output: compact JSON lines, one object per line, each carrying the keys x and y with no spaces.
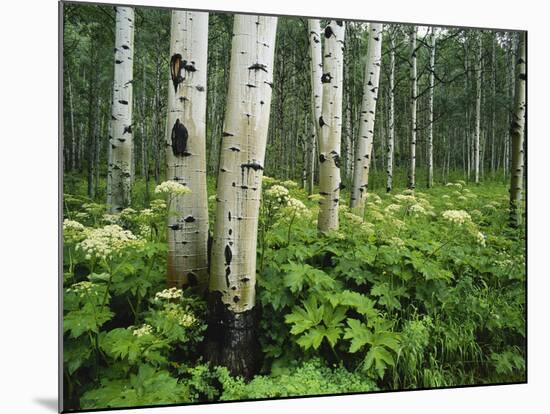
{"x":431,"y":111}
{"x":316,"y":66}
{"x":412,"y":161}
{"x":92,"y":126}
{"x":478,"y":110}
{"x":121,"y":140}
{"x":517,"y":133}
{"x":157,"y":124}
{"x":231,"y":336}
{"x":493,"y":104}
{"x":98,"y":142}
{"x":144,"y":153}
{"x":72,"y":151}
{"x":365,"y":139}
{"x":391,"y":118}
{"x":330,"y":124}
{"x":187,"y":232}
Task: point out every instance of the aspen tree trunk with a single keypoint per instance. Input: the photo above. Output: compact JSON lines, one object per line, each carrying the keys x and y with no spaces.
{"x":316,"y":66}
{"x":365,"y":139}
{"x":187,"y":232}
{"x":478,"y":111}
{"x":517,"y":133}
{"x":142,"y":126}
{"x":121,"y":139}
{"x":91,"y":141}
{"x":157,"y":123}
{"x":493,"y":106}
{"x":330,"y":124}
{"x":73,"y":136}
{"x":412,"y":162}
{"x":431,"y":111}
{"x":391,"y":117}
{"x":232,"y":340}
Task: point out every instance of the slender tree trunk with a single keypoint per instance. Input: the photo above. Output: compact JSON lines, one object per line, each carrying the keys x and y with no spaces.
{"x":493,"y":106}
{"x":478,"y":110}
{"x":187,"y":233}
{"x":412,"y":161}
{"x":316,"y":66}
{"x":72,"y":152}
{"x":391,"y":117}
{"x":517,"y":134}
{"x":98,"y":142}
{"x":330,"y":124}
{"x":92,"y":127}
{"x":365,"y":139}
{"x":232,"y":340}
{"x":431,"y":111}
{"x":157,"y":124}
{"x":144,"y":153}
{"x":121,"y":140}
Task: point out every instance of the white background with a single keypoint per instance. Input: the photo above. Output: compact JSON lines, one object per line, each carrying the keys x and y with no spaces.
{"x":28,"y":204}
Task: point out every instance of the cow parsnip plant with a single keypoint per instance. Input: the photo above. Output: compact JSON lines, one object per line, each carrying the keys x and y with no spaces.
{"x":426,"y":290}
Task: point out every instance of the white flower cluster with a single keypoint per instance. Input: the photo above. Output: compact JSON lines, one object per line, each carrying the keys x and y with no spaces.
{"x":172,"y":293}
{"x":480,"y":238}
{"x":376,"y":215}
{"x":417,"y":209}
{"x":72,"y":225}
{"x":457,"y":216}
{"x":110,"y":218}
{"x":290,"y":184}
{"x":180,"y":316}
{"x":277,"y":191}
{"x":396,"y":241}
{"x":392,"y":208}
{"x":171,"y":187}
{"x":158,"y":206}
{"x":446,"y":196}
{"x":297,"y":207}
{"x":83,"y":288}
{"x":404,"y":198}
{"x":73,"y":231}
{"x":104,"y":242}
{"x":461,"y":198}
{"x":374,"y":198}
{"x":353,"y":218}
{"x":144,"y":330}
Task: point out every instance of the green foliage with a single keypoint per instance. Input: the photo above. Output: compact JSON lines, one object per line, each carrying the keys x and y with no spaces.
{"x":310,"y":378}
{"x":149,"y":386}
{"x":399,"y":301}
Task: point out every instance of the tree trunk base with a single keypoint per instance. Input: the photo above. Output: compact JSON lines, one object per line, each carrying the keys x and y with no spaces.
{"x":231,"y":338}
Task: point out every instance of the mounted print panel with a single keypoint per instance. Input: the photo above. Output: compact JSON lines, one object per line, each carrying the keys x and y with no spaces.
{"x":260,"y":207}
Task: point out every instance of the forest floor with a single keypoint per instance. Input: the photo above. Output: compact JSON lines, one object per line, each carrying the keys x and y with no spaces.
{"x":428,"y":291}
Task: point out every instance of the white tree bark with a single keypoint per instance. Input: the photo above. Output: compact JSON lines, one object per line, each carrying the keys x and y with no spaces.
{"x":187,"y":233}
{"x":414,"y":82}
{"x":517,"y":133}
{"x":391,"y":117}
{"x":365,"y":139}
{"x":233,"y":265}
{"x":73,"y":136}
{"x":121,"y":139}
{"x":478,"y":110}
{"x":330,"y":124}
{"x":431,"y":110}
{"x":316,"y":65}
